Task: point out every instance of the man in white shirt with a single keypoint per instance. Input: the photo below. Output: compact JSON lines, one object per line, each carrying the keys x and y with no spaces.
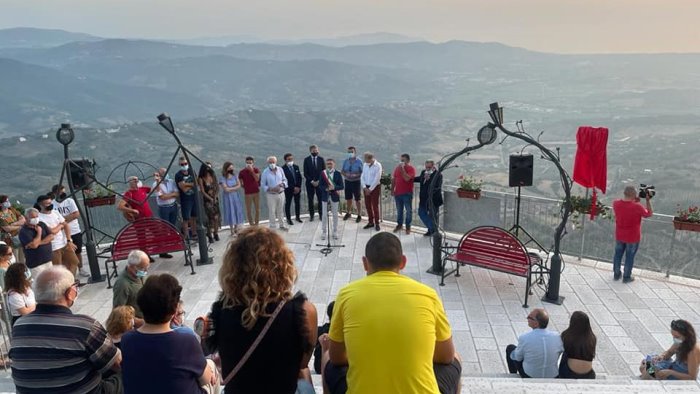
{"x":273,"y":182}
{"x":166,"y":198}
{"x":372,"y":189}
{"x":62,"y":247}
{"x":538,"y":351}
{"x":67,"y":207}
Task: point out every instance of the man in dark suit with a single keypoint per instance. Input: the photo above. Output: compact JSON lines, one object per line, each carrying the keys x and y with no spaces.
{"x":424,"y":179}
{"x":313,"y":166}
{"x":331,"y":185}
{"x":293,"y":190}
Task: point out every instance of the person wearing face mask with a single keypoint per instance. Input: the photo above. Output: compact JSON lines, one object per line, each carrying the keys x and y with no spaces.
{"x":250,"y":181}
{"x":52,"y":337}
{"x":313,"y":167}
{"x":273,"y":182}
{"x":293,"y":189}
{"x":11,"y":220}
{"x":424,"y":179}
{"x":209,"y":186}
{"x":130,"y":281}
{"x":188,"y":200}
{"x":67,"y":207}
{"x":62,"y":246}
{"x":331,"y":185}
{"x":166,"y":196}
{"x":20,"y":296}
{"x":5,"y":261}
{"x":402,"y":189}
{"x":352,"y":172}
{"x":681,"y":361}
{"x":233,"y":207}
{"x":36,"y":238}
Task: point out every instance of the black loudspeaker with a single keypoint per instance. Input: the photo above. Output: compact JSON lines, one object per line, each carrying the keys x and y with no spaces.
{"x":81,"y":173}
{"x":521,"y":167}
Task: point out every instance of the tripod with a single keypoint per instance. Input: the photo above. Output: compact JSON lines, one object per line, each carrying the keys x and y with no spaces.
{"x":328,"y":247}
{"x":517,"y":227}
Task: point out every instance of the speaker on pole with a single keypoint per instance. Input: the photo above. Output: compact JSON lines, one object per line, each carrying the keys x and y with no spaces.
{"x":81,"y":172}
{"x":521,"y":168}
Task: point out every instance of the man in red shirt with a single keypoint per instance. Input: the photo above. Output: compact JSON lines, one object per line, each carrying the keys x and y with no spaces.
{"x":628,"y":230}
{"x":249,"y":177}
{"x":134,"y":205}
{"x":402,"y":190}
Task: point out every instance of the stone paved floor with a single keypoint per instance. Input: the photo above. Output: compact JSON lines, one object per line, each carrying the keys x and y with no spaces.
{"x":484,"y":307}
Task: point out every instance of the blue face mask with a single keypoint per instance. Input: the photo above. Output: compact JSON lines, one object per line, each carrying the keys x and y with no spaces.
{"x":141,"y":274}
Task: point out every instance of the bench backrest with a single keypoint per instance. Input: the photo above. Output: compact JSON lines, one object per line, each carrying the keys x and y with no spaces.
{"x":151,"y":235}
{"x":494,"y":247}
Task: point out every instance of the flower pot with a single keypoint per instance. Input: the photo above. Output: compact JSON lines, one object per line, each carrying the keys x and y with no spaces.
{"x":473,"y":194}
{"x":98,"y":201}
{"x":685,"y":226}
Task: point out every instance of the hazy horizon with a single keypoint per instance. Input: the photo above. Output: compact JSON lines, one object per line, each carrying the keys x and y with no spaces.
{"x":578,"y":26}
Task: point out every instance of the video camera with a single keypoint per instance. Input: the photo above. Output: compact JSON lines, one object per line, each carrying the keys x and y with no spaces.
{"x":645,"y":190}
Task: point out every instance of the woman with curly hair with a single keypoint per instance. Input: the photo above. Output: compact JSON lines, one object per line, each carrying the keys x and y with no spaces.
{"x":20,"y":296}
{"x":257,"y":278}
{"x":687,"y":356}
{"x":119,"y":322}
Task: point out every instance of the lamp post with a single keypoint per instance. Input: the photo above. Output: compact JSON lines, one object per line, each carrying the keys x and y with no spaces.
{"x":552,"y":295}
{"x":167,"y":123}
{"x":65,"y":136}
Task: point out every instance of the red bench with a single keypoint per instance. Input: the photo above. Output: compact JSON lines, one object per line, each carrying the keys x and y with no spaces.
{"x":151,"y":235}
{"x":492,"y":248}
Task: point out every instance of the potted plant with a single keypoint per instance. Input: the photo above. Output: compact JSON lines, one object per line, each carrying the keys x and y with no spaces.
{"x":582,"y":206}
{"x":385,"y":181}
{"x":98,"y":196}
{"x":687,"y":219}
{"x":469,"y":187}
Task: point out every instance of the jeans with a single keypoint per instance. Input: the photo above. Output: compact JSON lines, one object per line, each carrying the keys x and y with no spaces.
{"x":424,"y":214}
{"x":168,"y":213}
{"x":404,"y":201}
{"x":629,"y":250}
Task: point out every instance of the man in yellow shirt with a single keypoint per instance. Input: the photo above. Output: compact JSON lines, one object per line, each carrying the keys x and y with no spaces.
{"x":389,"y":333}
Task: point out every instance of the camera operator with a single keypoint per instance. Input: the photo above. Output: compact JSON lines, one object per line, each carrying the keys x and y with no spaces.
{"x":628,"y":229}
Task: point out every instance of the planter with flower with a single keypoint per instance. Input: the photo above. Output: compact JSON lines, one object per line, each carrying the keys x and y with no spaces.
{"x":469,"y":187}
{"x":582,"y":206}
{"x":99,"y":196}
{"x":687,"y":219}
{"x":385,"y":181}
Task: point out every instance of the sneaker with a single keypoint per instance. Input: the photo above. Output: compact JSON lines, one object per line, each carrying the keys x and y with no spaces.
{"x":369,"y":225}
{"x":290,"y":222}
{"x":408,"y":229}
{"x":335,"y":236}
{"x":311,"y":219}
{"x":216,"y":236}
{"x":165,"y":256}
{"x":427,"y":234}
{"x":83,"y":273}
{"x":398,"y":228}
{"x":347,"y":216}
{"x":299,"y":220}
{"x":628,"y":280}
{"x":323,"y":236}
{"x":617,"y":276}
{"x":376,"y":227}
{"x":285,"y":229}
{"x":358,"y":219}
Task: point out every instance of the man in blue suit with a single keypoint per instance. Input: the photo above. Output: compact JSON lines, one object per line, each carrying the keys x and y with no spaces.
{"x":293,"y":190}
{"x":331,"y":183}
{"x":313,"y":167}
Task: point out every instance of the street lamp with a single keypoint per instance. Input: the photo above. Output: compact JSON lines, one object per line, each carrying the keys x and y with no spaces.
{"x":167,"y":123}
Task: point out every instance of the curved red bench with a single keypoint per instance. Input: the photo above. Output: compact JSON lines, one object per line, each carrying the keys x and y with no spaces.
{"x":495,"y":249}
{"x":151,"y":235}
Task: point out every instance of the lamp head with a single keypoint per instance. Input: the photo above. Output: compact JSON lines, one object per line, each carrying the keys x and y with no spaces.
{"x":487,"y":134}
{"x":166,"y":122}
{"x":65,"y":134}
{"x":496,"y":114}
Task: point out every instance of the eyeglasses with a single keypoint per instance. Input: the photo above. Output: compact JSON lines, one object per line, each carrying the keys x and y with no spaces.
{"x":530,"y":318}
{"x":183,"y":313}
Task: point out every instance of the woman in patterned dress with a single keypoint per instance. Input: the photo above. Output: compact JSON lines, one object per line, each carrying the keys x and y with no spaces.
{"x":233,"y":207}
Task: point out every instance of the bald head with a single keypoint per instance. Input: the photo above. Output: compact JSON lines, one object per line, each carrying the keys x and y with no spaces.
{"x":538,"y":318}
{"x":630,"y":192}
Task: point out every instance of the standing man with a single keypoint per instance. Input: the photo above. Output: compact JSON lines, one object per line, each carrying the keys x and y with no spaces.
{"x":188,"y":200}
{"x":273,"y":182}
{"x":352,"y":171}
{"x":537,"y":353}
{"x":628,"y":230}
{"x":36,"y":238}
{"x":372,"y":189}
{"x":62,"y":247}
{"x":130,"y":281}
{"x":426,"y":176}
{"x":331,"y":185}
{"x":313,"y":167}
{"x":67,"y":207}
{"x":166,"y":196}
{"x":402,"y":189}
{"x":293,"y":189}
{"x":250,"y":180}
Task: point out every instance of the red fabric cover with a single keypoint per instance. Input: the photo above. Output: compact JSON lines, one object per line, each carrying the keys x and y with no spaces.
{"x":591,"y":163}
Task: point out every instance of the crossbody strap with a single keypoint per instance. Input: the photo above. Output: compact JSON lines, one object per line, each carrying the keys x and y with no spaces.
{"x":255,"y":344}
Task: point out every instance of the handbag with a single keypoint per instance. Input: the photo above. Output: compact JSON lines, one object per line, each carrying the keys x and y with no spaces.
{"x":255,"y":344}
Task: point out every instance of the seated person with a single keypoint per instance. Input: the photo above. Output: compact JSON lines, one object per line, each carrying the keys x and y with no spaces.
{"x":177,"y":323}
{"x":687,"y":356}
{"x":538,"y":351}
{"x":322,"y":330}
{"x":119,"y":322}
{"x":158,"y":359}
{"x":20,"y":296}
{"x":579,"y":349}
{"x":389,"y":333}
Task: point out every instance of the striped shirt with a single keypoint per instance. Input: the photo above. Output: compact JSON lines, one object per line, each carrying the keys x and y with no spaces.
{"x":54,"y":351}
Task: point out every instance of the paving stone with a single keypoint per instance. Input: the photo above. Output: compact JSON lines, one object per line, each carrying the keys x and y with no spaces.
{"x":458,"y":320}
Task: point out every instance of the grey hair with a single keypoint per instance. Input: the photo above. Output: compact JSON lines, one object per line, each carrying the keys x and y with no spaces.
{"x":369,"y":155}
{"x":135,"y":257}
{"x":272,"y":157}
{"x":630,"y":192}
{"x":30,"y":211}
{"x":52,"y":283}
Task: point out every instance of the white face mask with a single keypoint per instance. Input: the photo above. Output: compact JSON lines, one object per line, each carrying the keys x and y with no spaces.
{"x":272,"y":166}
{"x":290,"y":163}
{"x":34,"y":221}
{"x":6,"y":204}
{"x":677,"y":341}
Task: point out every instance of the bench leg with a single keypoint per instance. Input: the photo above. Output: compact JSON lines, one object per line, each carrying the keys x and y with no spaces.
{"x":109,"y":276}
{"x":457,"y":275}
{"x":444,"y":270}
{"x":528,"y":285}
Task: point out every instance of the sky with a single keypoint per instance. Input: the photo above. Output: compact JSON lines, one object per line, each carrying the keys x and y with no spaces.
{"x":562,"y":26}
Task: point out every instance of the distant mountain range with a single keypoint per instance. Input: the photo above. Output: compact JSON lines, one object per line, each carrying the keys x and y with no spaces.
{"x":27,"y":37}
{"x":358,"y":39}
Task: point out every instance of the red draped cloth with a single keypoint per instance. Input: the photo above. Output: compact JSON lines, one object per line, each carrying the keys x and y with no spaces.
{"x":591,"y":163}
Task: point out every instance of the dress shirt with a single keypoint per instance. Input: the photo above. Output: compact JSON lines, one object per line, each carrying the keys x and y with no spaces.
{"x":539,"y":351}
{"x":271,"y":178}
{"x":371,"y":175}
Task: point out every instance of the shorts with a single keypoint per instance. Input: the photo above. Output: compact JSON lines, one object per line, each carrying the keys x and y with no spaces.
{"x":447,"y":376}
{"x":353,"y":190}
{"x":188,"y":207}
{"x":78,"y":242}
